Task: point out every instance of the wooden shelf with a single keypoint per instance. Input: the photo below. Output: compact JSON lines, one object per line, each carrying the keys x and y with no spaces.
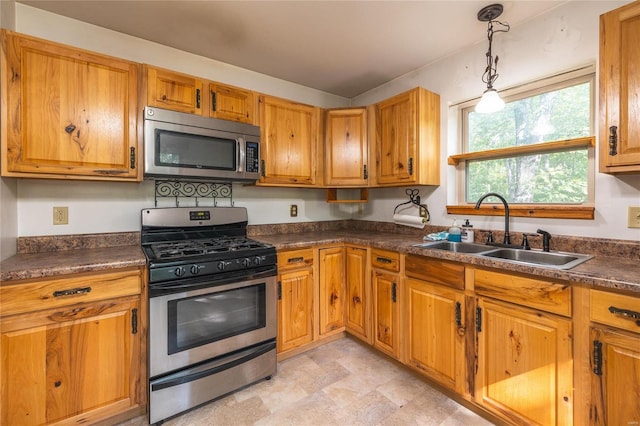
{"x":332,"y":195}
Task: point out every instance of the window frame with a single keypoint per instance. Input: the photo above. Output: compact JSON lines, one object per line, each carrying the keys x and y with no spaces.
{"x":585,"y":210}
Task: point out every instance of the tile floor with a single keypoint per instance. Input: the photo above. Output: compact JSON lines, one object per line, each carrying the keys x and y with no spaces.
{"x":340,"y":383}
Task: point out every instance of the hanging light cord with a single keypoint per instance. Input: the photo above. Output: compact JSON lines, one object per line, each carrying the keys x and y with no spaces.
{"x":491,"y":72}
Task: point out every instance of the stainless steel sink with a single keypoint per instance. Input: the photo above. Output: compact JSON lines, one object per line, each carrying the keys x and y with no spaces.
{"x":456,"y":247}
{"x":551,"y":259}
{"x":556,"y":260}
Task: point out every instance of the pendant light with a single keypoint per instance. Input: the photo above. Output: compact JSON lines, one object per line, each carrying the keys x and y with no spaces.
{"x":490,"y":101}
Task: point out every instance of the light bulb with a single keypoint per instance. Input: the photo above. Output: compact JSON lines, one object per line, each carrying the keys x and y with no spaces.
{"x":490,"y":102}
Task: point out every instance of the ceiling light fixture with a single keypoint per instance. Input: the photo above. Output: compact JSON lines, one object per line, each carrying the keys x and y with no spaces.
{"x":490,"y":101}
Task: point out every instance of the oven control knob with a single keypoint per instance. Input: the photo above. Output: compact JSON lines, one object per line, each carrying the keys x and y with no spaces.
{"x":257,"y":260}
{"x":195,"y":269}
{"x":222,"y":265}
{"x":246,"y":262}
{"x":179,"y":271}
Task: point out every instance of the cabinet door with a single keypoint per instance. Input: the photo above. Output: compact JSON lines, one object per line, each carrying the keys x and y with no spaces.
{"x":525,"y":368}
{"x":69,"y":113}
{"x":289,"y":139}
{"x":62,"y":364}
{"x":231,"y":103}
{"x":358,"y":293}
{"x":615,"y":378}
{"x":435,"y":339}
{"x":346,"y":148}
{"x":620,"y":89}
{"x":174,"y":91}
{"x":385,"y":312}
{"x":331,"y":287}
{"x":396,"y":143}
{"x":295,"y":309}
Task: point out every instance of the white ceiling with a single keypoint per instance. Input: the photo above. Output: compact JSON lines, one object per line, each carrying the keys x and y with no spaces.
{"x":340,"y":47}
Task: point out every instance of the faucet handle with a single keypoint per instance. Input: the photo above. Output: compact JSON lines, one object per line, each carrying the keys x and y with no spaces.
{"x":525,"y":242}
{"x":490,"y":237}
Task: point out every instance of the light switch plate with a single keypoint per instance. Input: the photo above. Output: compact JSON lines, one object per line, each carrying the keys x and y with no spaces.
{"x":634,"y":217}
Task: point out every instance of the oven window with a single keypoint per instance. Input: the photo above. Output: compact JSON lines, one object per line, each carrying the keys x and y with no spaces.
{"x":199,"y":320}
{"x":196,"y":151}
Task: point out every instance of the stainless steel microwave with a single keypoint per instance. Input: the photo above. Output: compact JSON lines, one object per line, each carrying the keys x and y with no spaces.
{"x":179,"y":145}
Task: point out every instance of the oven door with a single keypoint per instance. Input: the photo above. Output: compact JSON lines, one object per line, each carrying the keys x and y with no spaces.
{"x":193,"y":326}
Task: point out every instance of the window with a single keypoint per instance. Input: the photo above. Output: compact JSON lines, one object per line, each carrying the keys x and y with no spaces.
{"x":538,"y":152}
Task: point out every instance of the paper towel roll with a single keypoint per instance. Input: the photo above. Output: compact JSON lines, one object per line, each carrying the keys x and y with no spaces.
{"x":407,"y":220}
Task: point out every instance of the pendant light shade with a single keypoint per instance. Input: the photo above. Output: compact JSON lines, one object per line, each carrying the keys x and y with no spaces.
{"x":490,"y":101}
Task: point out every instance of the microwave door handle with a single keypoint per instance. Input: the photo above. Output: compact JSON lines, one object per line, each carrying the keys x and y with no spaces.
{"x":240,"y":157}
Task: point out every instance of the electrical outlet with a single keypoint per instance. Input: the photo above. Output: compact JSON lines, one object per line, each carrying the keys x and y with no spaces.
{"x":293,"y":210}
{"x":634,"y":217}
{"x":61,"y":215}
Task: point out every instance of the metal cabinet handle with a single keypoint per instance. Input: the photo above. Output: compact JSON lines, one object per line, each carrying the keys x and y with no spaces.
{"x":613,"y":140}
{"x":458,"y":314}
{"x":72,"y":291}
{"x":394,"y":293}
{"x":295,"y":259}
{"x":626,"y":314}
{"x":597,"y":357}
{"x":198,"y":98}
{"x":383,"y":260}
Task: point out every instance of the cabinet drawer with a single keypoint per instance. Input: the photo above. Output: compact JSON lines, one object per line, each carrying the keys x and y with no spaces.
{"x":294,"y":259}
{"x":550,"y":296}
{"x":616,"y":310}
{"x":383,"y":259}
{"x":35,"y":295}
{"x":435,"y":271}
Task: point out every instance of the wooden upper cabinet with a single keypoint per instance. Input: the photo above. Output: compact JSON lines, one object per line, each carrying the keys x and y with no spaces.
{"x":231,"y":103}
{"x":175,"y":91}
{"x":346,"y":148}
{"x":620,"y":90}
{"x":290,"y":136}
{"x":408,"y":139}
{"x":193,"y":95}
{"x":67,"y":113}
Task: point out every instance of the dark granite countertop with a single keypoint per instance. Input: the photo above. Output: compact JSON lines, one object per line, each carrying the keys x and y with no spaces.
{"x":68,"y":257}
{"x":603,"y":272}
{"x":72,"y":261}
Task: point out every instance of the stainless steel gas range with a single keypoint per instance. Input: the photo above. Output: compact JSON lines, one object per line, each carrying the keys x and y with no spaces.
{"x":212,"y":306}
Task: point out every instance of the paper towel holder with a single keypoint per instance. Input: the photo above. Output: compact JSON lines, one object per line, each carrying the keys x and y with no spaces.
{"x":414,"y":198}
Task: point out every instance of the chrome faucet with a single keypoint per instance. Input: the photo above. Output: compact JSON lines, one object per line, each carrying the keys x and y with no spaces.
{"x":507,"y":237}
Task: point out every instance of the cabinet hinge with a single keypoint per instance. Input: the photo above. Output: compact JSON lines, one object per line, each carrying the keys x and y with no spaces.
{"x":134,"y":321}
{"x":364,"y":172}
{"x":394,"y":293}
{"x":279,"y":290}
{"x":478,"y":319}
{"x":132,"y":158}
{"x":613,"y":140}
{"x":458,"y":314}
{"x":263,"y":173}
{"x":214,"y":102}
{"x":411,"y":166}
{"x":198,"y":98}
{"x":597,"y":357}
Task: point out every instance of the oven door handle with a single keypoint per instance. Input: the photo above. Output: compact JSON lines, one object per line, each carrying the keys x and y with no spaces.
{"x":179,"y":378}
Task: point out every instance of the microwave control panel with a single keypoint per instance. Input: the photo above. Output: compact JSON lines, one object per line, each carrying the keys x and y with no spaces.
{"x":252,"y":157}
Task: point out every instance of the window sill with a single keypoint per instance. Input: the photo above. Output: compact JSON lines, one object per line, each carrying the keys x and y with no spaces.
{"x":526,"y":210}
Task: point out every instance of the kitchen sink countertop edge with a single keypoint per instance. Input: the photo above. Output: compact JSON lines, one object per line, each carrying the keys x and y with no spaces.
{"x":621,"y":274}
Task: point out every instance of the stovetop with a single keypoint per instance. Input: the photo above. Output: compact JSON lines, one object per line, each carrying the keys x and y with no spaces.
{"x":242,"y":246}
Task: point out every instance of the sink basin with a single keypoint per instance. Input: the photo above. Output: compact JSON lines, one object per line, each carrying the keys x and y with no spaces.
{"x":556,"y":260}
{"x":456,"y":247}
{"x":550,"y":259}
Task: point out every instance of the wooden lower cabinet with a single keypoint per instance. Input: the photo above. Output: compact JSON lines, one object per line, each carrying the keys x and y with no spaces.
{"x":331,"y":271}
{"x":295,"y":299}
{"x":385,"y":284}
{"x":435,"y":333}
{"x":525,"y":369}
{"x":358,"y":288}
{"x":615,"y":379}
{"x":82,"y":362}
